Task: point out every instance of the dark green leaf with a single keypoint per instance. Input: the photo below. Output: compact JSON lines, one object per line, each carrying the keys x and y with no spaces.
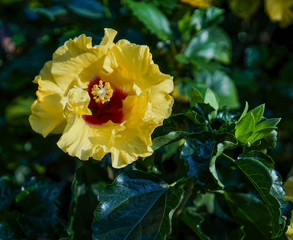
{"x":193,"y":220}
{"x":138,"y":199}
{"x":152,"y":17}
{"x":258,"y":169}
{"x":7,"y":192}
{"x":212,"y":43}
{"x":87,"y":8}
{"x":51,"y":12}
{"x":6,"y":232}
{"x":197,"y":155}
{"x":87,"y":184}
{"x":238,"y":233}
{"x":244,"y":9}
{"x":38,"y":208}
{"x":196,"y":97}
{"x":173,"y":199}
{"x":219,"y":150}
{"x":249,"y":210}
{"x":171,"y":137}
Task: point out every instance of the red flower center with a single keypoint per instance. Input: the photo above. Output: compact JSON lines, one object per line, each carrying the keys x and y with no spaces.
{"x":106,"y":103}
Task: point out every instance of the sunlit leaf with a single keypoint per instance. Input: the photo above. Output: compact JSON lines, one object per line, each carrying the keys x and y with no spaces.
{"x":152,"y":17}
{"x":245,"y":128}
{"x":222,"y":85}
{"x":211,"y":43}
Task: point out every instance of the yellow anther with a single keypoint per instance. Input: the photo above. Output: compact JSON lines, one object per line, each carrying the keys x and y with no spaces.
{"x":102,"y":92}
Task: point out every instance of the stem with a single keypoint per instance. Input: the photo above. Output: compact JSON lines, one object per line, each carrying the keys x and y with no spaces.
{"x":187,"y":195}
{"x":228,"y":157}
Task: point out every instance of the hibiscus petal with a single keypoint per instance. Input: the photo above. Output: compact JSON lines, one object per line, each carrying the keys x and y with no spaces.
{"x":47,"y":112}
{"x":78,"y":101}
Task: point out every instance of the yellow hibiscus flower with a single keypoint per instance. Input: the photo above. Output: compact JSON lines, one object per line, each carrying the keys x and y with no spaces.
{"x":102,"y":99}
{"x":198,"y":3}
{"x":280,"y":11}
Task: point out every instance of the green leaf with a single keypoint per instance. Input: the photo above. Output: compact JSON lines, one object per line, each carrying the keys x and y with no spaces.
{"x":238,"y":233}
{"x":153,"y":18}
{"x":245,"y":128}
{"x":207,"y":17}
{"x":196,"y":97}
{"x":6,"y":232}
{"x":193,"y":220}
{"x":51,"y":12}
{"x":222,"y":85}
{"x":268,"y":123}
{"x":7,"y":192}
{"x":87,"y":184}
{"x":210,"y":98}
{"x":244,"y":9}
{"x":269,"y":141}
{"x":218,"y":151}
{"x":197,"y":153}
{"x":258,"y":169}
{"x":171,"y":137}
{"x":250,"y":211}
{"x":212,"y":43}
{"x":257,"y":112}
{"x":244,"y":111}
{"x":38,"y":209}
{"x":87,"y":8}
{"x":260,"y":134}
{"x":135,"y":206}
{"x":173,"y":199}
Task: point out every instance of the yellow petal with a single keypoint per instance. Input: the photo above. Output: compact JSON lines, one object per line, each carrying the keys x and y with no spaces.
{"x":280,"y":11}
{"x":109,"y":37}
{"x":130,"y":67}
{"x":72,"y":59}
{"x":83,"y":140}
{"x":47,"y":112}
{"x":198,"y":3}
{"x":78,"y":101}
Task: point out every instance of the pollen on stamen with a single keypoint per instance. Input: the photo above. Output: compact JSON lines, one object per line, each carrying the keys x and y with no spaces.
{"x":102,"y":93}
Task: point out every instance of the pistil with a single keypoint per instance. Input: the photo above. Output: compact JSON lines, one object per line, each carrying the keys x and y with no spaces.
{"x":102,"y":93}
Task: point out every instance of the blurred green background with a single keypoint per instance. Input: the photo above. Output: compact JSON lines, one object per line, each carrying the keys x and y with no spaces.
{"x":233,"y":48}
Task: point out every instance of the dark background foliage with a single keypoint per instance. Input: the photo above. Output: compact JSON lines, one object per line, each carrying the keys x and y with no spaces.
{"x":255,"y":55}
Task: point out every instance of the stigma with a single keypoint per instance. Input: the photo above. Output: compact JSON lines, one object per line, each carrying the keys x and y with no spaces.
{"x":102,"y":93}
